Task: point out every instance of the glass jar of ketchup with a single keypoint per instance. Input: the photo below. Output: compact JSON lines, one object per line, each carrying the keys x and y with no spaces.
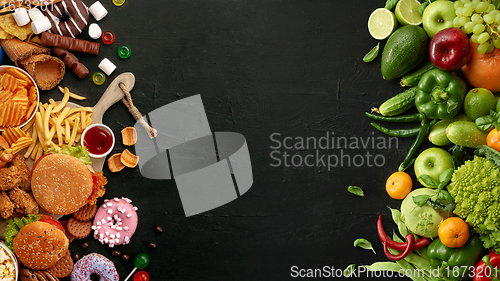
{"x":98,"y":139}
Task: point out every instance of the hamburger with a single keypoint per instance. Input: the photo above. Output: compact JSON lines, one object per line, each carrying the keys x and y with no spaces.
{"x":39,"y":245}
{"x":62,"y":184}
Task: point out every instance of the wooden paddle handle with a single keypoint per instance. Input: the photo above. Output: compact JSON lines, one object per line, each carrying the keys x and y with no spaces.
{"x":112,"y":94}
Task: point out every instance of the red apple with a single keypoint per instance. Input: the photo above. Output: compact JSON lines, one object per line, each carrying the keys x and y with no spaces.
{"x":450,"y":49}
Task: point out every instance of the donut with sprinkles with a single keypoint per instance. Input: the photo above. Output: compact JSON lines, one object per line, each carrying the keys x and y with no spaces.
{"x":115,"y":221}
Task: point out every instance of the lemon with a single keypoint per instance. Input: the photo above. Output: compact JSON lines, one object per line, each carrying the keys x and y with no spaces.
{"x":407,"y":12}
{"x":381,"y":23}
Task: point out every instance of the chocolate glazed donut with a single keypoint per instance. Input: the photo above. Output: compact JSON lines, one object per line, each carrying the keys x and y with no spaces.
{"x":78,"y":19}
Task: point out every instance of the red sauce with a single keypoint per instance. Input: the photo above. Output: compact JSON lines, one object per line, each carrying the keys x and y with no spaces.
{"x":98,"y":140}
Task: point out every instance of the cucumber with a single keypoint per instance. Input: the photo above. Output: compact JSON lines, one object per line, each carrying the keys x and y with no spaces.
{"x":399,"y":103}
{"x":465,"y":133}
{"x":411,"y":79}
{"x":437,"y":134}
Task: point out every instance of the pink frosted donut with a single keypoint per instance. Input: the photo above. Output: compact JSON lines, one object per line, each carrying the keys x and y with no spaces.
{"x":115,"y":222}
{"x":94,"y":264}
{"x":75,"y":13}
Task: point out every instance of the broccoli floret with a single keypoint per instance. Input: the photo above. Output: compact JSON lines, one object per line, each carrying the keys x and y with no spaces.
{"x":475,"y":186}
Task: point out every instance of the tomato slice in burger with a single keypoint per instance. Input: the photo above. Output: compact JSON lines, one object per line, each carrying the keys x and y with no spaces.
{"x":51,"y":220}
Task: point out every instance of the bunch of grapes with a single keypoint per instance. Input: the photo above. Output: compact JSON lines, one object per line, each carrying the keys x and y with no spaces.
{"x":481,"y":19}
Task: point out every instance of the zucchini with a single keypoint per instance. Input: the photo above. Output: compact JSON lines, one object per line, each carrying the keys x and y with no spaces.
{"x":399,"y":103}
{"x":411,"y":79}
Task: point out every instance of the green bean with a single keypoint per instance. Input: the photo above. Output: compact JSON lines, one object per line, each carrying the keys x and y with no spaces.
{"x":400,"y":133}
{"x":372,"y":54}
{"x":416,"y":117}
{"x":421,"y":137}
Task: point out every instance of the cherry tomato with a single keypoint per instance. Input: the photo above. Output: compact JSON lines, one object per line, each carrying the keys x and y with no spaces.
{"x":493,"y":139}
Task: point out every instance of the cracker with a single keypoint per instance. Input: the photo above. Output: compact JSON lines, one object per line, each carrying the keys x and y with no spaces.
{"x":85,"y":213}
{"x":63,"y":267}
{"x":70,"y":237}
{"x":79,"y":229}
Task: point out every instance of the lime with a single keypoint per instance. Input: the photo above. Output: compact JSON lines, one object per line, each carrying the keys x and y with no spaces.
{"x":407,"y":12}
{"x":478,"y":102}
{"x":382,"y":23}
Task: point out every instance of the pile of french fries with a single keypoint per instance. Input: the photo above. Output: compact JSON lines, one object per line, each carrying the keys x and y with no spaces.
{"x":56,"y":124}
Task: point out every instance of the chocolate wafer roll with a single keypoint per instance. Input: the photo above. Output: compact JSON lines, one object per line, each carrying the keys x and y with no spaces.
{"x":71,"y":61}
{"x":73,"y":44}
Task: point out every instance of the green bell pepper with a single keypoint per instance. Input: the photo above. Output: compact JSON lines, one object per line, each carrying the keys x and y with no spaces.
{"x":455,"y":263}
{"x":440,"y":94}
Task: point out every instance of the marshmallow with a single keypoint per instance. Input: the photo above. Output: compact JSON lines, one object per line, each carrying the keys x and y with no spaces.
{"x":95,"y":31}
{"x":35,"y":14}
{"x":107,"y":66}
{"x":40,"y":25}
{"x":98,"y":11}
{"x":21,"y":16}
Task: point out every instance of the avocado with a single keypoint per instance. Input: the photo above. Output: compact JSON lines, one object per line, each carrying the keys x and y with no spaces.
{"x":404,"y":50}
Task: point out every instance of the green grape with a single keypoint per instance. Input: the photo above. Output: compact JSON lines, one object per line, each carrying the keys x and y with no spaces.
{"x":497,"y":17}
{"x":469,"y":5}
{"x":474,"y":37}
{"x":483,"y":37}
{"x":464,"y":1}
{"x":466,"y":12}
{"x":494,"y":12}
{"x":456,"y":22}
{"x":475,"y":1}
{"x":490,"y":48}
{"x":478,"y":28}
{"x":490,"y":8}
{"x":463,"y":20}
{"x":496,"y":42}
{"x":459,"y":10}
{"x":482,"y":48}
{"x":489,"y":19}
{"x":481,"y":7}
{"x":476,"y":18}
{"x":468,"y":27}
{"x":458,"y":4}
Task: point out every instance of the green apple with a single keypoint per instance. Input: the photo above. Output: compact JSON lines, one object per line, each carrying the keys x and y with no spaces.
{"x":437,"y":16}
{"x":432,"y":162}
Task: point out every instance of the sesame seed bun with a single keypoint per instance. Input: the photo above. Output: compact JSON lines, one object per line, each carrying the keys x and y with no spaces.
{"x":61,"y":184}
{"x":39,"y":245}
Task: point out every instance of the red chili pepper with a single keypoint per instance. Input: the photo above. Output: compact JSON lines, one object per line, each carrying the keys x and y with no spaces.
{"x":422,"y":242}
{"x":410,"y":246}
{"x":482,"y":272}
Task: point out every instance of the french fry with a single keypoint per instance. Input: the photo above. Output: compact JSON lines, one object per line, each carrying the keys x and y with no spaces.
{"x":72,"y":95}
{"x":39,"y":153}
{"x":46,"y":119}
{"x":28,"y":125}
{"x":63,"y":102}
{"x":74,"y":131}
{"x":84,"y":119}
{"x":34,"y":137}
{"x":35,"y":151}
{"x":63,"y":115}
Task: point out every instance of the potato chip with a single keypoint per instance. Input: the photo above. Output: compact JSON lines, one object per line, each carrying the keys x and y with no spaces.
{"x":9,"y":82}
{"x":129,"y":136}
{"x":20,"y":144}
{"x":12,"y":134}
{"x":5,"y":95}
{"x":114,"y":163}
{"x":128,"y":159}
{"x":9,"y":25}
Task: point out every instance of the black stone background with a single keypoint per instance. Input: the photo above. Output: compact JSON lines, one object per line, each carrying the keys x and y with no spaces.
{"x":292,"y":67}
